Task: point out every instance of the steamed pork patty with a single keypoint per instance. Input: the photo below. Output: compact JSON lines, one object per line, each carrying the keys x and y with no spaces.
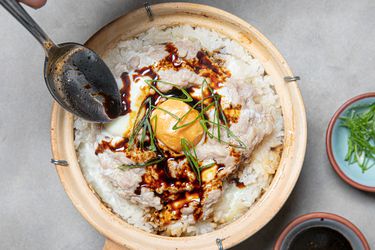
{"x":199,"y":139}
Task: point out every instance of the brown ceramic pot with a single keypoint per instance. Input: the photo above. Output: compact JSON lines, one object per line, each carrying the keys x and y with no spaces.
{"x":355,"y":237}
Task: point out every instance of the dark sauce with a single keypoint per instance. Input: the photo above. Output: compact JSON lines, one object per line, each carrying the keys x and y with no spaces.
{"x":238,"y":183}
{"x":109,"y":104}
{"x":145,"y":71}
{"x":201,"y":65}
{"x":137,"y":191}
{"x":221,"y":166}
{"x":205,"y":63}
{"x":173,"y":56}
{"x":205,"y":67}
{"x":107,"y":145}
{"x":80,"y":77}
{"x":176,"y":194}
{"x":125,"y":93}
{"x":179,"y":191}
{"x":320,"y":238}
{"x":175,"y":92}
{"x":163,"y":178}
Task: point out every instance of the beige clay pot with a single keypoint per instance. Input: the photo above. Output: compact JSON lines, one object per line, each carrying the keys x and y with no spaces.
{"x":118,"y":231}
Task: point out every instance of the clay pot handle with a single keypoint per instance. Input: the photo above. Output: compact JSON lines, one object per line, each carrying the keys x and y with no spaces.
{"x":110,"y":245}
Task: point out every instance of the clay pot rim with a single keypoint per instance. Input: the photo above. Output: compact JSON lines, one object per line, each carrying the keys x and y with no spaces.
{"x":116,"y":229}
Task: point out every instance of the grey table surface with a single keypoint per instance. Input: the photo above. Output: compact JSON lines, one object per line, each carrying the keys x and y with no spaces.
{"x":330,"y":44}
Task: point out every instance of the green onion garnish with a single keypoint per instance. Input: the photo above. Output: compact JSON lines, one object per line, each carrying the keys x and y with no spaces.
{"x":175,"y":126}
{"x":143,"y":126}
{"x":191,"y":156}
{"x":186,"y":94}
{"x":361,"y":140}
{"x":150,"y":162}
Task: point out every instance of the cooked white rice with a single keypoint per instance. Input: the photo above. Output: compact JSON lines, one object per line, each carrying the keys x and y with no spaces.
{"x":255,"y":173}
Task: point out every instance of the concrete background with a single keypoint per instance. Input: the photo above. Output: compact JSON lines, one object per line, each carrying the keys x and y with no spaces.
{"x":330,"y":44}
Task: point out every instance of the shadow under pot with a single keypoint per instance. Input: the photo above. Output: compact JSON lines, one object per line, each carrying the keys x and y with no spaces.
{"x":321,"y":231}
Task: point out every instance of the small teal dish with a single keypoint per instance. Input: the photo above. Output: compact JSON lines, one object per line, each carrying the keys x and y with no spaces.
{"x":337,"y":146}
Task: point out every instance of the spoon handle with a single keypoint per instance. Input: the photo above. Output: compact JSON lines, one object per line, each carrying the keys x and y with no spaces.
{"x":14,"y":8}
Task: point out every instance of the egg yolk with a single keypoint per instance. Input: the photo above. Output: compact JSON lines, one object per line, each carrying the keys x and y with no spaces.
{"x":162,"y":124}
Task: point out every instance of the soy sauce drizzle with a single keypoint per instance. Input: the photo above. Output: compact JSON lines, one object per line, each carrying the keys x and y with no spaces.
{"x":205,"y":63}
{"x":238,"y":183}
{"x":173,"y":56}
{"x":201,"y":65}
{"x":176,"y":193}
{"x":179,"y":191}
{"x":125,"y":93}
{"x":109,"y":105}
{"x":120,"y":146}
{"x":320,"y":237}
{"x":145,"y":71}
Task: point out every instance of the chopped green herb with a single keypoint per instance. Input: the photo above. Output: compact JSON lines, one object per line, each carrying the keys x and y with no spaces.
{"x":191,"y":156}
{"x":143,"y":125}
{"x":187,"y":98}
{"x":153,"y":161}
{"x":361,"y":140}
{"x":175,"y":126}
{"x":166,"y":111}
{"x":239,"y":144}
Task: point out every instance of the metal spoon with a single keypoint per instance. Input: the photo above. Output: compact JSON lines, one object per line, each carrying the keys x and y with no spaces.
{"x":76,"y":76}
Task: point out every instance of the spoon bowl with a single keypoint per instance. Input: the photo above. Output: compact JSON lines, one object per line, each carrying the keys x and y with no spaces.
{"x":82,"y":83}
{"x":76,"y":76}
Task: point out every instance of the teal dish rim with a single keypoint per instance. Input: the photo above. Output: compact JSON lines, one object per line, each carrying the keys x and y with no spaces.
{"x":330,"y":153}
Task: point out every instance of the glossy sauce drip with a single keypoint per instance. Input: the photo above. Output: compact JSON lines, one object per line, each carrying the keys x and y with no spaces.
{"x":205,"y":67}
{"x":109,"y":104}
{"x":173,"y":56}
{"x":320,"y":238}
{"x":220,"y":167}
{"x":175,"y":192}
{"x":145,"y":71}
{"x":180,"y":190}
{"x":125,"y":93}
{"x":205,"y":63}
{"x":107,"y":145}
{"x":177,"y":93}
{"x":201,"y":65}
{"x":238,"y":183}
